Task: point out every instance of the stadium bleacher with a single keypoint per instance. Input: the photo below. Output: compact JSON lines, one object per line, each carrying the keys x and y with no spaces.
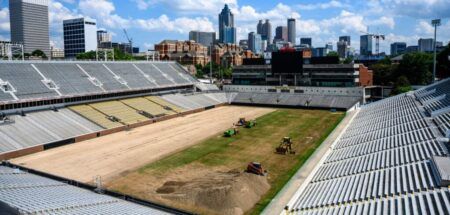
{"x":383,"y":163}
{"x":32,"y":194}
{"x":295,"y":100}
{"x":143,"y":104}
{"x":42,"y":127}
{"x":45,"y":80}
{"x":165,"y":104}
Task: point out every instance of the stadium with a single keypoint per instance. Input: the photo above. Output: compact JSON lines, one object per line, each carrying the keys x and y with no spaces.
{"x":82,"y":137}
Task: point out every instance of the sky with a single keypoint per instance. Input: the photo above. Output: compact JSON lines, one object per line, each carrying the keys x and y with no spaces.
{"x":150,"y":21}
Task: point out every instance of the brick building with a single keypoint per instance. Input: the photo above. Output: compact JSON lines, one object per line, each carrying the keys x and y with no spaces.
{"x":184,"y":52}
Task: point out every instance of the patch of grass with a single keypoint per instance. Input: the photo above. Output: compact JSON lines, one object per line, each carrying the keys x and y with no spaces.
{"x":307,"y":128}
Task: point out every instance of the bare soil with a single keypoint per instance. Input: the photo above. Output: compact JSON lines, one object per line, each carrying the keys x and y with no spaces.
{"x":114,"y":155}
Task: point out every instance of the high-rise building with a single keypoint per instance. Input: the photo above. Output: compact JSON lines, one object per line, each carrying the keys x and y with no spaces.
{"x":254,"y":42}
{"x":243,"y":44}
{"x":398,"y":48}
{"x":80,"y":35}
{"x":411,"y":49}
{"x":204,"y":38}
{"x":227,"y":31}
{"x":30,"y":25}
{"x":104,"y":39}
{"x":281,"y":34}
{"x":426,"y":45}
{"x":259,"y":27}
{"x":267,"y":31}
{"x":365,"y":47}
{"x":306,"y":41}
{"x":343,"y":49}
{"x":346,"y":39}
{"x":291,"y":31}
{"x":329,"y":46}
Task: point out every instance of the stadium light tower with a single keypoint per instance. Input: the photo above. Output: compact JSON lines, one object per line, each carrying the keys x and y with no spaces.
{"x":435,"y":23}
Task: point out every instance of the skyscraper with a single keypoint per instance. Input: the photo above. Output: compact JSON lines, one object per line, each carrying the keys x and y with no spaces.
{"x":80,"y":35}
{"x":291,"y":31}
{"x":346,"y":39}
{"x":365,"y":47}
{"x":342,"y":48}
{"x":281,"y":33}
{"x":204,"y":38}
{"x":29,"y":24}
{"x":267,"y":31}
{"x":426,"y":45}
{"x":398,"y":48}
{"x":254,"y":42}
{"x":306,"y":41}
{"x":227,"y":31}
{"x":104,"y":39}
{"x":259,"y":27}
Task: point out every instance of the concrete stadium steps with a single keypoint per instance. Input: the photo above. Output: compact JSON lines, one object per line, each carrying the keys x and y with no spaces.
{"x":43,"y":127}
{"x":5,"y":96}
{"x":95,"y":116}
{"x":68,"y":77}
{"x":147,"y":106}
{"x":165,"y":103}
{"x":124,"y":113}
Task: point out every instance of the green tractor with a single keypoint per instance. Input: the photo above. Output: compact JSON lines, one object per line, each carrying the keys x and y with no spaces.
{"x":250,"y":124}
{"x":230,"y":132}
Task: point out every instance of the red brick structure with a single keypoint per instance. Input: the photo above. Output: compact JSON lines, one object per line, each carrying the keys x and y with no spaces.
{"x":365,"y":76}
{"x":185,"y":52}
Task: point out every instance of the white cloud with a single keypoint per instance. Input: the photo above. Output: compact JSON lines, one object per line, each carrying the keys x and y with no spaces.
{"x":179,"y":25}
{"x":383,"y":21}
{"x":347,"y":22}
{"x":4,"y":20}
{"x":322,"y":6}
{"x":103,"y":11}
{"x":58,"y":13}
{"x":210,"y":7}
{"x":411,"y":8}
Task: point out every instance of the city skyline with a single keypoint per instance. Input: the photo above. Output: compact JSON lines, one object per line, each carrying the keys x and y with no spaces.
{"x":149,"y":22}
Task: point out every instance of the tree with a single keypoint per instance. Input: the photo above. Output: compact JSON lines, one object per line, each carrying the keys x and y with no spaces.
{"x":90,"y":55}
{"x":402,"y":85}
{"x":332,"y":54}
{"x":416,"y":67}
{"x":38,"y":53}
{"x":348,"y":60}
{"x":443,"y":63}
{"x":383,"y":74}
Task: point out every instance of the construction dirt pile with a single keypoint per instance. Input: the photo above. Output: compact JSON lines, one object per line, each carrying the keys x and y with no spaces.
{"x":222,"y":192}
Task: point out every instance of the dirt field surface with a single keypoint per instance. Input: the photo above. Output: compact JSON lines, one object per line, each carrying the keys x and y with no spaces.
{"x":116,"y":154}
{"x":208,"y":178}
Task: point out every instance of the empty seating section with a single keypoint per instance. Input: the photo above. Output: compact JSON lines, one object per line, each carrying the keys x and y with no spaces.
{"x":193,"y":101}
{"x":32,"y":194}
{"x":382,"y":161}
{"x":108,"y":80}
{"x":95,"y":116}
{"x":82,"y":78}
{"x":148,"y":106}
{"x":134,"y":78}
{"x":42,"y":127}
{"x":297,"y":100}
{"x":155,"y":73}
{"x":174,"y":74}
{"x":122,"y":112}
{"x":68,"y":77}
{"x":25,"y":80}
{"x":165,"y":104}
{"x":436,"y":96}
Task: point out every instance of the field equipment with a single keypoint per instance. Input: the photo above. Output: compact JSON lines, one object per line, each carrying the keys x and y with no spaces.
{"x":231,"y":132}
{"x":255,"y":168}
{"x":241,"y":122}
{"x":250,"y":124}
{"x":285,"y":146}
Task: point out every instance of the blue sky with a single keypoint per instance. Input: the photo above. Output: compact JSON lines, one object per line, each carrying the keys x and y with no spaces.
{"x":150,"y":21}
